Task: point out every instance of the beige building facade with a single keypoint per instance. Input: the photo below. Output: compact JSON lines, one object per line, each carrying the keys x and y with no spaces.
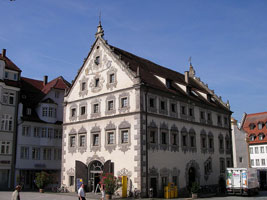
{"x":134,"y":118}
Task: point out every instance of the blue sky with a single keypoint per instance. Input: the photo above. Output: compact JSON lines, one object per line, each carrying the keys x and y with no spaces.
{"x":226,"y":39}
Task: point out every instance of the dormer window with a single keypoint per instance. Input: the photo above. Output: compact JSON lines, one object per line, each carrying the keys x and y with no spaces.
{"x":97,"y":60}
{"x":168,"y":83}
{"x":261,"y":136}
{"x":251,"y":126}
{"x":260,"y":125}
{"x":252,"y":137}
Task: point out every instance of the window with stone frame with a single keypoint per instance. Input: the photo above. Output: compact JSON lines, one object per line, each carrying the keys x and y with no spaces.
{"x":110,"y":105}
{"x":5,"y":147}
{"x":111,"y":78}
{"x":209,"y":118}
{"x":83,"y":110}
{"x":83,"y":86}
{"x":36,"y":132}
{"x":152,"y":137}
{"x":164,"y":139}
{"x":71,"y":180}
{"x":82,"y":140}
{"x":219,"y":120}
{"x":192,"y":139}
{"x":110,"y":137}
{"x":24,"y":152}
{"x":174,"y":138}
{"x":208,"y":166}
{"x":96,"y":108}
{"x":162,"y":105}
{"x":173,"y":107}
{"x":152,"y":102}
{"x":163,"y":109}
{"x":225,"y":121}
{"x":124,"y":136}
{"x":202,"y":115}
{"x":228,"y":162}
{"x":227,"y":144}
{"x":8,"y":98}
{"x":210,"y":142}
{"x":204,"y":141}
{"x":35,"y":153}
{"x":26,"y":131}
{"x":96,"y":141}
{"x":124,"y":102}
{"x":221,"y":143}
{"x":184,"y":139}
{"x":191,"y":112}
{"x":72,"y":141}
{"x":73,"y":112}
{"x":183,"y":110}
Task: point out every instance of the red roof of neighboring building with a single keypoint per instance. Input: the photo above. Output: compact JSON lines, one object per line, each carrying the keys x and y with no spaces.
{"x":251,"y":127}
{"x":9,"y":64}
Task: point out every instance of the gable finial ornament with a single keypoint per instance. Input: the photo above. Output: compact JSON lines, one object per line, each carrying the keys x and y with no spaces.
{"x":100,"y":30}
{"x":191,"y":68}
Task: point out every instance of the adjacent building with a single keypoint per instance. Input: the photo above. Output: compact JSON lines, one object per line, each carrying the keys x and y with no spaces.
{"x":239,"y":145}
{"x":255,"y":125}
{"x":9,"y":93}
{"x":127,"y":115}
{"x":39,"y":136}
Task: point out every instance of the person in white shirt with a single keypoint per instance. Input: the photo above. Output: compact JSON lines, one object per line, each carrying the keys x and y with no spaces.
{"x":15,"y":194}
{"x":81,"y":194}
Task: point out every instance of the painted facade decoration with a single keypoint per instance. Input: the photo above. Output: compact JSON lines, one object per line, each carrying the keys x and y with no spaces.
{"x":142,"y":120}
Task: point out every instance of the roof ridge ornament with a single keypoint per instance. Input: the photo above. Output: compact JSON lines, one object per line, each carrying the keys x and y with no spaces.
{"x":192,"y":72}
{"x":100,"y":30}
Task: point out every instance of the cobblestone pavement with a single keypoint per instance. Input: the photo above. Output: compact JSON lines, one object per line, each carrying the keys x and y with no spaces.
{"x":73,"y":196}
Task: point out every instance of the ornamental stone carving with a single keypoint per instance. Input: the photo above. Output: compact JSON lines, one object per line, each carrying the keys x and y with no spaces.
{"x":96,"y":83}
{"x":82,"y":130}
{"x":124,"y":172}
{"x":153,"y":171}
{"x":95,"y":157}
{"x":195,"y":165}
{"x":110,"y":126}
{"x":111,"y":84}
{"x":71,"y":172}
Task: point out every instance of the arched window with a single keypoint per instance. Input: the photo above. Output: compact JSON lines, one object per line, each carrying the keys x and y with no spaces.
{"x":252,"y":137}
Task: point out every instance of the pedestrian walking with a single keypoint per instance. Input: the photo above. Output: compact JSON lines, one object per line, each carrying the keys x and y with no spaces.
{"x":102,"y":189}
{"x":15,"y":194}
{"x":81,"y":193}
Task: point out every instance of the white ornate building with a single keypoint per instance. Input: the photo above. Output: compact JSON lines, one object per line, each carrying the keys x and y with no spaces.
{"x":132,"y":117}
{"x":9,"y":92}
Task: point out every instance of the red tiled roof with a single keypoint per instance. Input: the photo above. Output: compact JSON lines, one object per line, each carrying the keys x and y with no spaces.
{"x":256,"y":118}
{"x":9,"y":64}
{"x":57,"y":83}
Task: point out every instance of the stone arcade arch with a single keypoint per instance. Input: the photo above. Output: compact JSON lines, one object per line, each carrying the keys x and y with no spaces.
{"x":192,"y":173}
{"x":95,"y":169}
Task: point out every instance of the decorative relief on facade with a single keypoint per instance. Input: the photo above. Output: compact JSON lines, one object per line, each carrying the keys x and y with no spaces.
{"x":82,"y":130}
{"x":71,"y":172}
{"x":124,"y":126}
{"x":96,"y":83}
{"x":153,"y":171}
{"x":73,"y":131}
{"x":111,"y":78}
{"x":110,"y":126}
{"x":207,"y":168}
{"x":110,"y":105}
{"x":95,"y":157}
{"x":83,"y":87}
{"x":72,"y":148}
{"x":82,"y":116}
{"x":189,"y":165}
{"x":95,"y":139}
{"x":124,"y":172}
{"x":124,"y":104}
{"x":96,"y":108}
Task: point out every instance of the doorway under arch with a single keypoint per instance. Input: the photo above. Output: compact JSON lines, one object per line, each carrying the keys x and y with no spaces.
{"x":95,"y":169}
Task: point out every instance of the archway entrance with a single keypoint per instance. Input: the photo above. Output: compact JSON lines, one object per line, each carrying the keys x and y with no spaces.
{"x":95,"y":169}
{"x":191,"y":176}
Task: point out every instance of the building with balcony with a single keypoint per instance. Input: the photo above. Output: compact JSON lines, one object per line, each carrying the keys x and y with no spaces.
{"x":9,"y":92}
{"x":39,"y":137}
{"x":131,"y":117}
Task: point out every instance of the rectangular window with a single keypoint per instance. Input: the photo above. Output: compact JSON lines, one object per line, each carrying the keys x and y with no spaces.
{"x":124,"y":136}
{"x":44,"y":132}
{"x":35,"y":153}
{"x":257,"y":162}
{"x":174,"y":138}
{"x":124,"y":102}
{"x":83,"y":110}
{"x":173,"y":107}
{"x":251,"y":150}
{"x":256,"y":149}
{"x":252,"y":162}
{"x":163,"y":138}
{"x":26,"y":131}
{"x":50,"y":112}
{"x":15,"y":77}
{"x":202,"y":115}
{"x":263,"y":162}
{"x":209,"y":116}
{"x":24,"y":152}
{"x":36,"y":132}
{"x":192,"y":141}
{"x":44,"y":111}
{"x":95,"y":139}
{"x":82,"y":141}
{"x":96,"y":108}
{"x":240,"y":159}
{"x":111,"y":78}
{"x":57,"y":134}
{"x":111,"y":105}
{"x":47,"y":154}
{"x":11,"y":98}
{"x":73,"y":112}
{"x":50,"y":132}
{"x":210,"y":143}
{"x":5,"y":147}
{"x":57,"y":154}
{"x":57,"y":94}
{"x":221,"y":143}
{"x":183,"y":110}
{"x":97,"y":82}
{"x":83,"y":86}
{"x":222,"y":166}
{"x":152,"y":137}
{"x":203,"y":142}
{"x":72,"y":141}
{"x":191,"y":112}
{"x":5,"y":97}
{"x":184,"y":141}
{"x":174,"y":180}
{"x":71,"y":180}
{"x":219,"y":119}
{"x":162,"y":105}
{"x":29,"y":111}
{"x":151,"y":102}
{"x":6,"y":75}
{"x":111,"y":137}
{"x":6,"y":123}
{"x":225,"y":121}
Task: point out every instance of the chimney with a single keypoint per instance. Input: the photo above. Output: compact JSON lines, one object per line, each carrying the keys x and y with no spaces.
{"x":45,"y":80}
{"x":3,"y":52}
{"x":186,"y":76}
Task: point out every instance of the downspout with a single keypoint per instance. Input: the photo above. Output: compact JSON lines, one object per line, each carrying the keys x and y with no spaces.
{"x":147,"y":188}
